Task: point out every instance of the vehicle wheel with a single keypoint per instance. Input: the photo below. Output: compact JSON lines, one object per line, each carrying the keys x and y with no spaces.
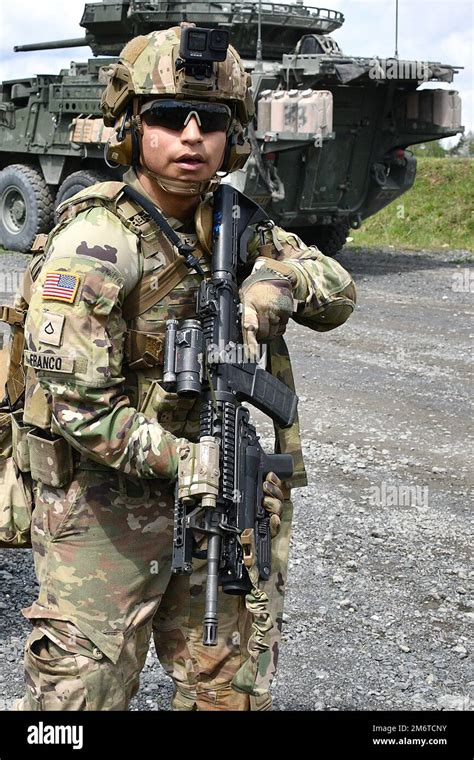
{"x":26,"y":206}
{"x":76,"y":182}
{"x":330,"y":238}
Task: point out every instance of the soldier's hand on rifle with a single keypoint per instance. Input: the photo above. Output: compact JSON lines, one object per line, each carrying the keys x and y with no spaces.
{"x":273,"y":501}
{"x":267,"y":305}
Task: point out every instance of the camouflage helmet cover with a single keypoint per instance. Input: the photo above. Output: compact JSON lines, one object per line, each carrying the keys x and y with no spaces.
{"x":147,"y":68}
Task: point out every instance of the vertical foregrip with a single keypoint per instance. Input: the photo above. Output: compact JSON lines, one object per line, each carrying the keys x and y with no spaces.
{"x":263,"y":539}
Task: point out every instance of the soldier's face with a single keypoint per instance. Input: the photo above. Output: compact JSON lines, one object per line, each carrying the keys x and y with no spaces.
{"x":185,"y":154}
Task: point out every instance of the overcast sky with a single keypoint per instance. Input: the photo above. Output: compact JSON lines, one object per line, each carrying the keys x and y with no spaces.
{"x":429,"y":30}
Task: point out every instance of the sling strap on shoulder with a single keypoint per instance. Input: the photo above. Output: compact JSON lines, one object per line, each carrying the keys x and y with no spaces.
{"x":184,"y":249}
{"x":144,"y":350}
{"x":153,"y":287}
{"x":146,"y":294}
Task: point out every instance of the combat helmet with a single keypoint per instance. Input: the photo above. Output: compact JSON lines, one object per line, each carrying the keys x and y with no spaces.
{"x":150,"y":67}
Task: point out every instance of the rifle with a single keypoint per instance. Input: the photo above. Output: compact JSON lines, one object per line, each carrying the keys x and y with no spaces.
{"x":220,"y":495}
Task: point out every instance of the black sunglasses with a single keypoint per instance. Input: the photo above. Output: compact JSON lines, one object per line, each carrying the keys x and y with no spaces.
{"x":175,"y":115}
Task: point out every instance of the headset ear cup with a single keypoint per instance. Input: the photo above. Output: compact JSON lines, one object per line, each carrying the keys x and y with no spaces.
{"x":124,"y":146}
{"x":120,"y":151}
{"x":236,"y":154}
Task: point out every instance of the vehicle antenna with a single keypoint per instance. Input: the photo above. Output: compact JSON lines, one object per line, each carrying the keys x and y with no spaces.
{"x":396,"y":29}
{"x":258,"y":54}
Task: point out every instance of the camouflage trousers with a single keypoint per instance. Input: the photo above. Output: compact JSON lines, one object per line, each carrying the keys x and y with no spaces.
{"x":102,"y":550}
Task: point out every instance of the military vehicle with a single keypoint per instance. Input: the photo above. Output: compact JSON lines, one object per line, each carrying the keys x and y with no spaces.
{"x":329,"y":140}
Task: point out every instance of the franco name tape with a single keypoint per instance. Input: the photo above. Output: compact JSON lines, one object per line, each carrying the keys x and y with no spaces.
{"x":49,"y":362}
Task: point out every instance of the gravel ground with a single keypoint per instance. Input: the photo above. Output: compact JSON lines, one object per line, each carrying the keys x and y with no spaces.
{"x":379,"y":595}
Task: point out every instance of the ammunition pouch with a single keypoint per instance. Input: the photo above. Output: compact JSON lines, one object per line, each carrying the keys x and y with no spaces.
{"x":51,"y":459}
{"x":164,"y":405}
{"x":21,"y":452}
{"x":16,"y":491}
{"x":45,"y":456}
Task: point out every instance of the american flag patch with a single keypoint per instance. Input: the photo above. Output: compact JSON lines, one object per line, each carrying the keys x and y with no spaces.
{"x":60,"y":287}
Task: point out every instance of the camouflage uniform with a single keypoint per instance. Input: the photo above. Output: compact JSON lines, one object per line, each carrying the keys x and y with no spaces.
{"x":102,"y":533}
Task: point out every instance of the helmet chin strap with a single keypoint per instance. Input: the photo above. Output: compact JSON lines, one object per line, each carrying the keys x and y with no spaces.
{"x":182,"y":186}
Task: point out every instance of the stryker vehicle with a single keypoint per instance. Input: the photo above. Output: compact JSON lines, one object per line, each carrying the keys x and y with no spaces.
{"x":329,"y":139}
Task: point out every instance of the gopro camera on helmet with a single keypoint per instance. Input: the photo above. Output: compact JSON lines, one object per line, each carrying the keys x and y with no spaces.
{"x":200,"y":45}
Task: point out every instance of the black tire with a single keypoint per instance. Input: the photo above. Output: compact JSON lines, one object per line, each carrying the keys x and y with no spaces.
{"x":26,"y":206}
{"x":330,"y":238}
{"x":76,"y":182}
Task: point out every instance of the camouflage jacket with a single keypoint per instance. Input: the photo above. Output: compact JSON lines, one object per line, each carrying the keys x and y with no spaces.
{"x":89,"y":374}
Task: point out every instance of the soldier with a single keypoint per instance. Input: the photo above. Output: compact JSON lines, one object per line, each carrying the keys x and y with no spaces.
{"x":108,"y":434}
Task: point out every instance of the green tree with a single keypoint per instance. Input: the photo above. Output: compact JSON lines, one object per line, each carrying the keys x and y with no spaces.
{"x":465,"y":147}
{"x":432,"y":149}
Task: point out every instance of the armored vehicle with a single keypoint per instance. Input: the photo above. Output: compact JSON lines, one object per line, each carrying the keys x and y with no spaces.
{"x":329,"y":139}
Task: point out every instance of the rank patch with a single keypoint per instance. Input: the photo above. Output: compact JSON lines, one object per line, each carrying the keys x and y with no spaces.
{"x":59,"y":286}
{"x":51,"y":328}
